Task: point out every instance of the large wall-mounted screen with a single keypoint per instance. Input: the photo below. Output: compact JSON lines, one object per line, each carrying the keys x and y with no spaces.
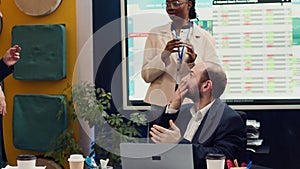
{"x":258,"y":43}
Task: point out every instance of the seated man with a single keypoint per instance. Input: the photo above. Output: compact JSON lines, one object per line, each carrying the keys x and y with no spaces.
{"x":210,"y":125}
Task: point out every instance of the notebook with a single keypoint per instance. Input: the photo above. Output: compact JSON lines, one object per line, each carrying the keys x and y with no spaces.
{"x":160,"y":156}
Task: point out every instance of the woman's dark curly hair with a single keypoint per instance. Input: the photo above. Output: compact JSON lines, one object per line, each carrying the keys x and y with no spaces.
{"x":193,"y":14}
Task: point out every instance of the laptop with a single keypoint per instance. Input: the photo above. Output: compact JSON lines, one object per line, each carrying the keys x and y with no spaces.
{"x":156,"y":156}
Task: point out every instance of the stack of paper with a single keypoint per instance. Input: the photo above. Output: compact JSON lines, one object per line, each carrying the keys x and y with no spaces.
{"x":253,"y":123}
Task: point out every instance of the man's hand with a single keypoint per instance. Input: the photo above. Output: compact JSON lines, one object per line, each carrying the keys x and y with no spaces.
{"x":179,"y":94}
{"x":2,"y":102}
{"x":12,"y":55}
{"x":162,"y":135}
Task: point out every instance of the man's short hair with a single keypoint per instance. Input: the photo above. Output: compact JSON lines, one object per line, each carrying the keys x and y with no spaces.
{"x":215,"y":73}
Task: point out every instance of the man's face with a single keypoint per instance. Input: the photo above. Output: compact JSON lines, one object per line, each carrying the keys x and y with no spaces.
{"x":193,"y":81}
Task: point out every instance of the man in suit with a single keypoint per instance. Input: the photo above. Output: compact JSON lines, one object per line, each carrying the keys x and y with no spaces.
{"x":11,"y":57}
{"x":210,"y":125}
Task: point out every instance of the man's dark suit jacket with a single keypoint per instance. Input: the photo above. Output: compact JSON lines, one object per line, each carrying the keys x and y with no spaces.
{"x":4,"y":70}
{"x":222,"y":131}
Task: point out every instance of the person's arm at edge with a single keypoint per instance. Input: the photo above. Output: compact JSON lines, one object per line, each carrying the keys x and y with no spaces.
{"x":5,"y":70}
{"x":153,"y":65}
{"x":2,"y":102}
{"x":11,"y":56}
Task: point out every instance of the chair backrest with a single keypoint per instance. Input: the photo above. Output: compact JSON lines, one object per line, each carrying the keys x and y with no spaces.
{"x":244,"y":156}
{"x":243,"y":116}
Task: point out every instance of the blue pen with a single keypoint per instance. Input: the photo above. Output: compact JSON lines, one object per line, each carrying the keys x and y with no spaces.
{"x":249,"y":164}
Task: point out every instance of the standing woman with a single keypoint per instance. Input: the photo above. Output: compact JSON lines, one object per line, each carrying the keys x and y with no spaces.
{"x":171,"y":50}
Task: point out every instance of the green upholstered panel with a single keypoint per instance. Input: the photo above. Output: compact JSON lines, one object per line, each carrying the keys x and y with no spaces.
{"x":43,"y":54}
{"x":36,"y":122}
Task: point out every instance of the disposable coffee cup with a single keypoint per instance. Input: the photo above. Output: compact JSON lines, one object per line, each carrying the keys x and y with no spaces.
{"x":26,"y":161}
{"x":215,"y":161}
{"x":76,"y":161}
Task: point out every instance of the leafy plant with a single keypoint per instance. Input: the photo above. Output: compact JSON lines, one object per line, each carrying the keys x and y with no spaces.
{"x":63,"y":147}
{"x":121,"y":130}
{"x":86,"y":102}
{"x":65,"y":144}
{"x":111,"y":128}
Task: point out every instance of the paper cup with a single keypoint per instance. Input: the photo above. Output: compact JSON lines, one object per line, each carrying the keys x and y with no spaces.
{"x":26,"y":161}
{"x":76,"y":161}
{"x":215,"y":161}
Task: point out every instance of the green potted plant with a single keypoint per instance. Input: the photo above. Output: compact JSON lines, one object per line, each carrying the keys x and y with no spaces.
{"x":125,"y":130}
{"x":111,"y":128}
{"x":86,"y":102}
{"x":65,"y":144}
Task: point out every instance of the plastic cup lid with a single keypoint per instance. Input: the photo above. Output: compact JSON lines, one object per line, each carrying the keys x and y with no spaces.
{"x":211,"y":156}
{"x":24,"y":157}
{"x":76,"y":157}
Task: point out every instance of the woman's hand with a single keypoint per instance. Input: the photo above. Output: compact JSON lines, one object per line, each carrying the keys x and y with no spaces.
{"x":171,"y":47}
{"x":190,"y":52}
